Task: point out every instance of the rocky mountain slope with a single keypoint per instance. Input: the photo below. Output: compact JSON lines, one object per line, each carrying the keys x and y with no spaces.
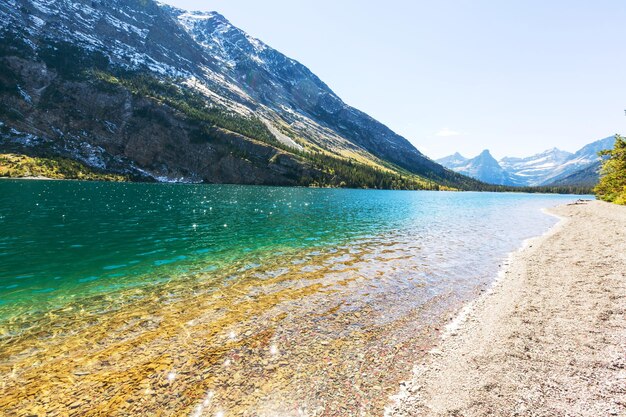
{"x":157,"y":93}
{"x":553,"y":167}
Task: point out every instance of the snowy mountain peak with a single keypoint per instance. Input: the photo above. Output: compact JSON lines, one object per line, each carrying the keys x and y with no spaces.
{"x":453,"y":161}
{"x":227,"y":43}
{"x":483,"y":167}
{"x":541,"y":169}
{"x":486,"y":158}
{"x":557,"y":153}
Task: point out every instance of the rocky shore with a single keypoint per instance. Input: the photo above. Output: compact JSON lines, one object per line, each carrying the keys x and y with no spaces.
{"x":549,"y":339}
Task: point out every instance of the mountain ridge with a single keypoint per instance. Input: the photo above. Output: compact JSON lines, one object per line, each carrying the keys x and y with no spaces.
{"x":92,"y":80}
{"x":325,"y":105}
{"x":552,"y":167}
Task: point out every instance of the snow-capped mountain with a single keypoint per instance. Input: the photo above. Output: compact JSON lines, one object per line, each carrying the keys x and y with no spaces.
{"x":581,"y":160}
{"x":535,"y":169}
{"x":483,"y":167}
{"x":453,"y":161}
{"x":291,"y":89}
{"x":553,"y":166}
{"x":143,"y":88}
{"x":585,"y":177}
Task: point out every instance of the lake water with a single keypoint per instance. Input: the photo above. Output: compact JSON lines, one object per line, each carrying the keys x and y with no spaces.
{"x":240,"y":300}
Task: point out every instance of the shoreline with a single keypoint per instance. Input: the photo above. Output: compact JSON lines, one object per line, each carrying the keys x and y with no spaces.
{"x":473,"y":371}
{"x":129,"y":181}
{"x":37,"y":178}
{"x":457,"y":321}
{"x":468,"y":311}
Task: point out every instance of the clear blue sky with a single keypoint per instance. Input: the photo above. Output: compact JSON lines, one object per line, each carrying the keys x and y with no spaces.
{"x":516,"y":77}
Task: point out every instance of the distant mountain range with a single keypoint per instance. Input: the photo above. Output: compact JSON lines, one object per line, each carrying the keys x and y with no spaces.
{"x":142,"y":89}
{"x":551,"y":167}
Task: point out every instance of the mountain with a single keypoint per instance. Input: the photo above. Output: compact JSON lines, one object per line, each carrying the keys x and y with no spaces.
{"x":453,"y":161}
{"x":534,"y":170}
{"x":581,"y":160}
{"x":552,"y":167}
{"x":585,"y":177}
{"x":154,"y":92}
{"x":483,"y":167}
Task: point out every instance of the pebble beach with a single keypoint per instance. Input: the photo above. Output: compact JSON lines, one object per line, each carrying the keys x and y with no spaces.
{"x":549,"y":339}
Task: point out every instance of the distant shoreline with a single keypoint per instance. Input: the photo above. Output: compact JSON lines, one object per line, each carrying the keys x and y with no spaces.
{"x":548,"y":339}
{"x":293,"y":186}
{"x":35,"y":178}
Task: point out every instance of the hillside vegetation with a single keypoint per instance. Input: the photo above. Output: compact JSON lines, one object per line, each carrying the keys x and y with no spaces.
{"x":22,"y":166}
{"x":612,"y":185}
{"x":328,"y":170}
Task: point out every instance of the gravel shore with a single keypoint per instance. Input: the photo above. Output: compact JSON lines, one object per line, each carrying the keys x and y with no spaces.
{"x":548,"y":340}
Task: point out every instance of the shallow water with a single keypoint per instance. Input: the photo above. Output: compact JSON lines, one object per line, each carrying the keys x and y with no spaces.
{"x":201,"y":299}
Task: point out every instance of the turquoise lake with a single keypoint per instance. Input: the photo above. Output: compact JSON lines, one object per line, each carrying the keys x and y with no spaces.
{"x":238,"y":300}
{"x":62,"y":240}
